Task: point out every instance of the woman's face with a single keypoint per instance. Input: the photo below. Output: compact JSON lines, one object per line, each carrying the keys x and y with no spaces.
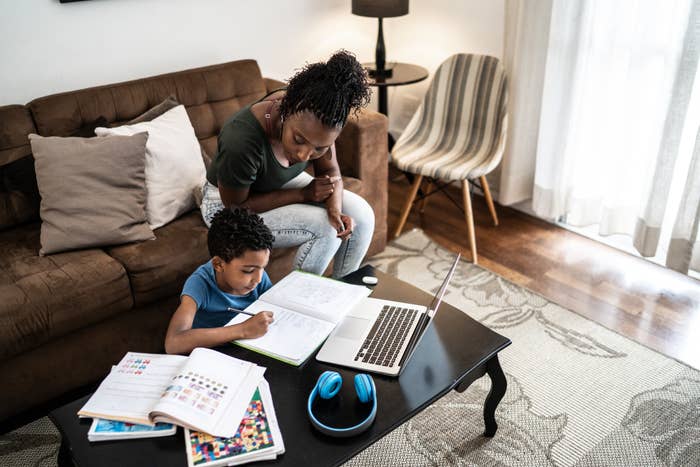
{"x":305,"y":138}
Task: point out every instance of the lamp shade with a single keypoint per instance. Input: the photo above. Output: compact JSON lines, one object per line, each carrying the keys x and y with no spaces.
{"x":380,"y":8}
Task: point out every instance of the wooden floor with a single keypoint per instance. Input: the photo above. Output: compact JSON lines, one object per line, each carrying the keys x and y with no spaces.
{"x":649,"y":304}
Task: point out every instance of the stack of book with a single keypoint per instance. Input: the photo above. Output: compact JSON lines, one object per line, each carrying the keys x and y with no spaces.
{"x":149,"y":395}
{"x":258,"y":437}
{"x":109,"y":430}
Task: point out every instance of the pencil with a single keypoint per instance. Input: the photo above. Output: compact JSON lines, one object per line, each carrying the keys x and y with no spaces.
{"x":236,"y":310}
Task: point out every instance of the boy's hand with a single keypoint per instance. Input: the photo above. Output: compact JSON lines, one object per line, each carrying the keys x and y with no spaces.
{"x":256,"y":326}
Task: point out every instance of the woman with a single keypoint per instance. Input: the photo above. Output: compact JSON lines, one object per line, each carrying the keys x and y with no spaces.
{"x":264,"y":149}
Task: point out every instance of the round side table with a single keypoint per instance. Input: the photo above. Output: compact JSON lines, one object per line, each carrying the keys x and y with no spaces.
{"x":401,"y":74}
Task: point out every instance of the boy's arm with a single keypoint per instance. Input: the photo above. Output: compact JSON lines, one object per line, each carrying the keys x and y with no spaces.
{"x":182,"y":339}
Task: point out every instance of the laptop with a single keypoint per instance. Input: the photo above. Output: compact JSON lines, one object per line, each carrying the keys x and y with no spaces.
{"x":380,"y":336}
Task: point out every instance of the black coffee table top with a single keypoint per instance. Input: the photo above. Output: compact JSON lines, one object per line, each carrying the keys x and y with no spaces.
{"x":453,"y":349}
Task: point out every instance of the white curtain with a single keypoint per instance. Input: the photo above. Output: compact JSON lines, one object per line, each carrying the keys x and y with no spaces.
{"x":672,"y":165}
{"x":525,"y":45}
{"x":684,"y":248}
{"x":617,"y":83}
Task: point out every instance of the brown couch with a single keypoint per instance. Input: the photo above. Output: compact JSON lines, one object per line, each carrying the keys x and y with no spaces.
{"x":65,"y":318}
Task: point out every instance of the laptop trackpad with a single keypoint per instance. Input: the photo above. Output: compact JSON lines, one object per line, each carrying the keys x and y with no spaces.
{"x":352,"y":328}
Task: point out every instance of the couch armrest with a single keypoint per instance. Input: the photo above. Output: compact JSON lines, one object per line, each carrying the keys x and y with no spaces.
{"x":362,"y":150}
{"x":272,"y":84}
{"x":17,"y":123}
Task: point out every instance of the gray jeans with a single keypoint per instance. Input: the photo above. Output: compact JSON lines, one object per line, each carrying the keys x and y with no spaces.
{"x":306,"y":226}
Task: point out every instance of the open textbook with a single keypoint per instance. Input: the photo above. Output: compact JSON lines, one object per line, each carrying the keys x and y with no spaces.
{"x":306,"y":307}
{"x":258,"y":437}
{"x":204,"y":391}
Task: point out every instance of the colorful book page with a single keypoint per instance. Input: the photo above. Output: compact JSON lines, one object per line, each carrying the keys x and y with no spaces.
{"x":197,"y":391}
{"x":253,"y":434}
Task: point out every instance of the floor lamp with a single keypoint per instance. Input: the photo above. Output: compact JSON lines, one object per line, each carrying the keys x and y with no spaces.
{"x":380,"y":9}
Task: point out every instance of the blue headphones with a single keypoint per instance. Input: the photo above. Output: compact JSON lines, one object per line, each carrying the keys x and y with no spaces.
{"x":328,"y":386}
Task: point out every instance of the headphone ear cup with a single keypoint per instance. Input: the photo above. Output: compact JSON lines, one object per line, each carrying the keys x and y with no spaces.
{"x":329,"y":384}
{"x":364,"y":387}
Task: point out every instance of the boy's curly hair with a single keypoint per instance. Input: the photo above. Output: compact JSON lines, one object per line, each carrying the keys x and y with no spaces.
{"x":329,"y":90}
{"x":235,"y":231}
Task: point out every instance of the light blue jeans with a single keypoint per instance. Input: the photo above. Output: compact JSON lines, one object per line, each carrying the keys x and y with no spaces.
{"x":307,"y":227}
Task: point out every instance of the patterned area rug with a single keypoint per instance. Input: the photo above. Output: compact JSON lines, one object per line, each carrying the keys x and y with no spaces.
{"x":578,"y":394}
{"x":33,"y":445}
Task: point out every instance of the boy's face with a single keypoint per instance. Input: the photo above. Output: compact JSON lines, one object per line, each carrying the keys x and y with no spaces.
{"x":241,"y":275}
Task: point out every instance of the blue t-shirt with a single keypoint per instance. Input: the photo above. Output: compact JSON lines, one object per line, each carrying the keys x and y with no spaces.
{"x":212,"y":302}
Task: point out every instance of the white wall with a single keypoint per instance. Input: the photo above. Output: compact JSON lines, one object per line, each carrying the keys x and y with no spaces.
{"x":48,"y":47}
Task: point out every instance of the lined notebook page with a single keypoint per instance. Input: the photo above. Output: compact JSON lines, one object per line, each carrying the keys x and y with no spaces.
{"x":292,"y":335}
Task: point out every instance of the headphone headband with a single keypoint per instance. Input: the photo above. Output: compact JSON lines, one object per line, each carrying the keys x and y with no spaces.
{"x":328,"y":386}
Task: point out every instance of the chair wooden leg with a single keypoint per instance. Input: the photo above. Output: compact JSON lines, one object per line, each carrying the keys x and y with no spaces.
{"x":424,"y":201}
{"x":408,"y":204}
{"x":469,"y":217}
{"x":489,"y":200}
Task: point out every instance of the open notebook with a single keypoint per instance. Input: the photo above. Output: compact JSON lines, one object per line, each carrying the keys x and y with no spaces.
{"x":306,"y":308}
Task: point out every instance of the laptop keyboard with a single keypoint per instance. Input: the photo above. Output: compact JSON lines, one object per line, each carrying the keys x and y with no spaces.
{"x":382,"y":345}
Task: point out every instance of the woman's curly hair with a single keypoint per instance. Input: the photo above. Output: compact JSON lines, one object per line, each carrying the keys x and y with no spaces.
{"x":329,"y":90}
{"x":235,"y":231}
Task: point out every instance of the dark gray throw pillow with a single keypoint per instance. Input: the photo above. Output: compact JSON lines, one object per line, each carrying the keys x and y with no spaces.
{"x":93,"y":191}
{"x":156,"y":111}
{"x":88,"y":130}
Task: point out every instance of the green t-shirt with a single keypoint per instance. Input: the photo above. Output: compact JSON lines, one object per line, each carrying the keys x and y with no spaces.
{"x":245,"y":158}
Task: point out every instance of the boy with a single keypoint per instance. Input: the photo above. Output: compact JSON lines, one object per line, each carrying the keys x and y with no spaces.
{"x":239,"y":244}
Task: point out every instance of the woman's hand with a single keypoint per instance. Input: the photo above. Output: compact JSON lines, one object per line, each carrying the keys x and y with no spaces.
{"x":342,"y":223}
{"x":257,"y":325}
{"x":320,"y":188}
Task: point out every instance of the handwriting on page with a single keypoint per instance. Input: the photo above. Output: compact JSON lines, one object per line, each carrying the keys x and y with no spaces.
{"x":320,"y":298}
{"x":313,"y":294}
{"x":291,"y":333}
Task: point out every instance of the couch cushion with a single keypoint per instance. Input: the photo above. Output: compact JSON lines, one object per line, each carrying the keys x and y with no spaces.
{"x":16,"y":125}
{"x":158,"y":268}
{"x":210,"y":94}
{"x":353,"y":184}
{"x":46,"y":297}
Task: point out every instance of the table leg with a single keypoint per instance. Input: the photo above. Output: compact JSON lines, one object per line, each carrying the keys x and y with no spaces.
{"x":64,"y":458}
{"x":498,"y":390}
{"x":383,"y":101}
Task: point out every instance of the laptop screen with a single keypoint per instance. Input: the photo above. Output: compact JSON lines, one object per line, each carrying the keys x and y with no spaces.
{"x":429,"y":314}
{"x":437,"y":298}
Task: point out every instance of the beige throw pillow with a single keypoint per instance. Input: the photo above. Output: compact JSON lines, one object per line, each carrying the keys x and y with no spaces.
{"x":93,"y":191}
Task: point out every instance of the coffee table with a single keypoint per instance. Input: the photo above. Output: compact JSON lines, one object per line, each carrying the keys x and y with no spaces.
{"x":455,"y":351}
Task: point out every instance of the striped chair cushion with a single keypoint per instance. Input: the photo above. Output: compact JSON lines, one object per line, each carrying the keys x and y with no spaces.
{"x":458,"y":131}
